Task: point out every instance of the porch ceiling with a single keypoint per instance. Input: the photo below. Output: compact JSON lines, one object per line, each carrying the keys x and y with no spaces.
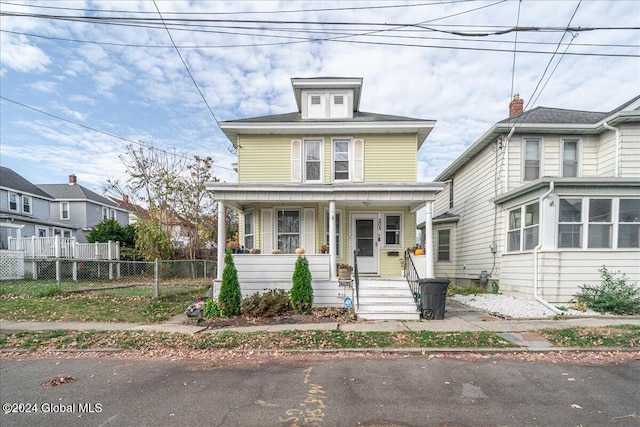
{"x":412,"y":195}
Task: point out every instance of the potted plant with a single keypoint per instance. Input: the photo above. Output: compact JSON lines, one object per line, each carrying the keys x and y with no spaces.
{"x":344,"y":271}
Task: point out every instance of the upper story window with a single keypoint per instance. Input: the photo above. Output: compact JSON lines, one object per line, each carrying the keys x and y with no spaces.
{"x":524,"y":235}
{"x":569,"y":158}
{"x":393,"y":229}
{"x":105,"y":213}
{"x":341,"y":159}
{"x":64,"y":210}
{"x":112,"y":213}
{"x":451,"y":193}
{"x":249,"y":230}
{"x":26,"y":204}
{"x":13,"y":202}
{"x":532,"y":150}
{"x":313,"y":160}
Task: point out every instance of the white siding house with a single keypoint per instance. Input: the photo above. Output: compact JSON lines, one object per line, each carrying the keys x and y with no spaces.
{"x":542,"y":200}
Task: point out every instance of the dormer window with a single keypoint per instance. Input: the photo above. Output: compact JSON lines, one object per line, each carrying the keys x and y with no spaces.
{"x":338,"y":100}
{"x":316,"y":100}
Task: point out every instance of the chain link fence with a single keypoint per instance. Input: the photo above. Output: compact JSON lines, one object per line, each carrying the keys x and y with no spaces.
{"x":142,"y":278}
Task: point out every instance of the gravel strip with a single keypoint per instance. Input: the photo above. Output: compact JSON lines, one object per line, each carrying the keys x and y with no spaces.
{"x":513,"y":307}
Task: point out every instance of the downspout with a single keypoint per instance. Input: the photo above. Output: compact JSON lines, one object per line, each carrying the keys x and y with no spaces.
{"x":617,"y":131}
{"x":535,"y":256}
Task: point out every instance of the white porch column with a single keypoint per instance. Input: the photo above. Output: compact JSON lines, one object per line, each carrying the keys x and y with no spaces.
{"x":222,"y":238}
{"x":428,"y":241}
{"x":333,"y":255}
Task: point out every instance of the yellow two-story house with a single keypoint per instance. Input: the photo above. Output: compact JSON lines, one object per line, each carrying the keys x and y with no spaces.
{"x":335,"y":181}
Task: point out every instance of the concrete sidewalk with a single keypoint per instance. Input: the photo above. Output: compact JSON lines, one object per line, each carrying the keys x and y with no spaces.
{"x":458,"y":318}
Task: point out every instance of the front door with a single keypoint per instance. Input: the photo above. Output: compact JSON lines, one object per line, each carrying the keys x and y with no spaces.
{"x":365,"y":242}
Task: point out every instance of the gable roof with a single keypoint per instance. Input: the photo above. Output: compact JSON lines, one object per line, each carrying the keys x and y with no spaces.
{"x":12,"y":181}
{"x":542,"y":120}
{"x":75,"y":192}
{"x":131,"y":207}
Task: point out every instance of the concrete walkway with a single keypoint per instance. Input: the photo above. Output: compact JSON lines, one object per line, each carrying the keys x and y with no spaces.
{"x":458,"y":318}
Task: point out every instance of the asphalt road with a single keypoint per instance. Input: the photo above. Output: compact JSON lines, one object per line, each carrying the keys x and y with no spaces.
{"x":349,"y":392}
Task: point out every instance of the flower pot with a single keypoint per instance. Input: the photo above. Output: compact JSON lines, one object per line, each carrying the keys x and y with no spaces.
{"x":344,"y":274}
{"x":299,"y":251}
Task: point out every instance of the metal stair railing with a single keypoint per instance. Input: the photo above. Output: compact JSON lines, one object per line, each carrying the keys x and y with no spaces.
{"x":356,"y":279}
{"x":411,"y":274}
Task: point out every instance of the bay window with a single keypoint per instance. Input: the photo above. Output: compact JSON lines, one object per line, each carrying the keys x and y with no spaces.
{"x":600,"y":225}
{"x":629,"y":223}
{"x":523,"y":235}
{"x":570,"y":223}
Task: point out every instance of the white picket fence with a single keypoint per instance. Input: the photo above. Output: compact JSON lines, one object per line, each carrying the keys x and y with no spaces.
{"x":62,"y":247}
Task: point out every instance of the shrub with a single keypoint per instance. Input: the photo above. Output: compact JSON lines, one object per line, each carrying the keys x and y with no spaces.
{"x":210,"y":309}
{"x":612,"y":295}
{"x":269,"y":304}
{"x":230,"y":296}
{"x":301,"y":291}
{"x":457,"y":290}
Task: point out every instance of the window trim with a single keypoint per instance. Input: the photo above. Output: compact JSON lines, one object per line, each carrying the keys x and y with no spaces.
{"x":520,"y":231}
{"x":578,"y":161}
{"x":585,"y":223}
{"x":277,"y":233}
{"x":16,"y":201}
{"x":305,"y":141}
{"x":62,"y":211}
{"x":616,"y":236}
{"x":400,"y":230}
{"x":540,"y":157}
{"x":350,"y":154}
{"x":253,"y":229}
{"x":449,"y":246}
{"x":27,"y":200}
{"x":590,"y":223}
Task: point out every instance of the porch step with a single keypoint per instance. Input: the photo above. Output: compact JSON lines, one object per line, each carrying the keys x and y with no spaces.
{"x":386,"y":300}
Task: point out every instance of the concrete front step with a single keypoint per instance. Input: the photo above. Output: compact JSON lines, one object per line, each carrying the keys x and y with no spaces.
{"x":386,"y":300}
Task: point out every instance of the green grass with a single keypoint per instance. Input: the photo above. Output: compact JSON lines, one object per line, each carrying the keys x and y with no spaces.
{"x":623,"y":336}
{"x":287,"y":340}
{"x":135,"y":304}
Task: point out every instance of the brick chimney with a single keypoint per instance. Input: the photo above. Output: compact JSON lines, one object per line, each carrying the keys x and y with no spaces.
{"x":516,"y":106}
{"x":72,"y":179}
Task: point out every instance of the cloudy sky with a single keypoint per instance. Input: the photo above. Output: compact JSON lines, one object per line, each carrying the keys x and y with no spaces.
{"x":82,"y":80}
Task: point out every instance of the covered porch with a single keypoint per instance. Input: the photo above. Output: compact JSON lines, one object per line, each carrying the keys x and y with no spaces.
{"x":333,"y":223}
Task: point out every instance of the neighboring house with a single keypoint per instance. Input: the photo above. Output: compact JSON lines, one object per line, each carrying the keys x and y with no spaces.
{"x":541,"y":201}
{"x":134,"y":210}
{"x":81,"y":208}
{"x":327,"y":173}
{"x":25,"y":210}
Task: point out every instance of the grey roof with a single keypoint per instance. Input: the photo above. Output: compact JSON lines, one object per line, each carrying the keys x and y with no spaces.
{"x":358,"y":116}
{"x":74,"y":192}
{"x":11,"y":180}
{"x":544,"y":115}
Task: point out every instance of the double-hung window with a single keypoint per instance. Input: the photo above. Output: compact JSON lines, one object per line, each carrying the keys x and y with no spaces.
{"x":629,"y":223}
{"x":569,"y":158}
{"x":313,"y":160}
{"x":64,"y":210}
{"x":444,"y":245}
{"x":570,"y":223}
{"x":105,"y":213}
{"x":249,"y":230}
{"x":26,"y":204}
{"x":600,"y":224}
{"x":393,"y":229}
{"x":341,"y":159}
{"x":13,"y":202}
{"x":532,"y":150}
{"x":524,"y":235}
{"x":288,"y":230}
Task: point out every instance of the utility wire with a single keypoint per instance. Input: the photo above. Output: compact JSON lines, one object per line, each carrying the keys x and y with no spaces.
{"x":140,"y":143}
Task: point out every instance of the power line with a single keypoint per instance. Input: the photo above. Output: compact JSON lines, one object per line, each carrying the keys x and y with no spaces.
{"x":140,"y":143}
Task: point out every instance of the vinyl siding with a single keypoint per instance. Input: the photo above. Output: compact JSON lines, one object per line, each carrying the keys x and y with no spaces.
{"x":551,"y":156}
{"x":474,"y":187}
{"x":590,"y":155}
{"x":630,"y":151}
{"x":514,"y":163}
{"x":387,"y":158}
{"x":606,"y":154}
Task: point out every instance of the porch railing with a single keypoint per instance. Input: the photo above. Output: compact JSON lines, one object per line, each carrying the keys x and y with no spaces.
{"x":411,"y":273}
{"x":356,"y":278}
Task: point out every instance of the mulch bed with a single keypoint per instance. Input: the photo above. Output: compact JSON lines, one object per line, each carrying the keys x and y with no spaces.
{"x":327,"y":315}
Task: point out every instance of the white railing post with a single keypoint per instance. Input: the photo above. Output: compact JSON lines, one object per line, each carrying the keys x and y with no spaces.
{"x":110,"y":258}
{"x":56,"y":249}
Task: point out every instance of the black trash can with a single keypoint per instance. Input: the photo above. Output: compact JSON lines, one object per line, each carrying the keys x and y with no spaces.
{"x":433,"y":297}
